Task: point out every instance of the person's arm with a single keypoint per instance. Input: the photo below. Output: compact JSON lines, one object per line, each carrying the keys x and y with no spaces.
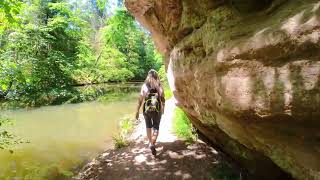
{"x":140,"y":100}
{"x":139,"y":105}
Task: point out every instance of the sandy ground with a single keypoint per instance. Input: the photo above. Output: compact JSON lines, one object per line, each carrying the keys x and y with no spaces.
{"x":175,"y":159}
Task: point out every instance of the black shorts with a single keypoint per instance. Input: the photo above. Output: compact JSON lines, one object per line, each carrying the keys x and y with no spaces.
{"x":152,"y":119}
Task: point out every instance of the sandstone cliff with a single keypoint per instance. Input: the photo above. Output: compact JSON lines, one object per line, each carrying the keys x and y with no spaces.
{"x":247,"y":72}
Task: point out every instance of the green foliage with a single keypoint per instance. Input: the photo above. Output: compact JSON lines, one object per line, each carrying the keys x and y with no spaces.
{"x":162,"y":75}
{"x":48,"y":46}
{"x":164,"y":81}
{"x":120,"y":141}
{"x":123,"y":34}
{"x":126,"y":127}
{"x":8,"y":11}
{"x":126,"y":53}
{"x":103,"y":93}
{"x":182,"y":126}
{"x":38,"y":58}
{"x":167,"y":92}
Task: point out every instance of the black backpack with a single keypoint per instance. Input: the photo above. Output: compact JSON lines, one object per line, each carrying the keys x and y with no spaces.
{"x":152,"y":101}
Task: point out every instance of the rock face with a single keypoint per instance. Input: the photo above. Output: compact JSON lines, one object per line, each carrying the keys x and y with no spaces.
{"x":247,"y":72}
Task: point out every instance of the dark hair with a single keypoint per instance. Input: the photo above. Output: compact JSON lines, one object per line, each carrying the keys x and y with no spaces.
{"x":153,"y":80}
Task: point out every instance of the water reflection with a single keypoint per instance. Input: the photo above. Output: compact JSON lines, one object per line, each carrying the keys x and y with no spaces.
{"x":61,"y":137}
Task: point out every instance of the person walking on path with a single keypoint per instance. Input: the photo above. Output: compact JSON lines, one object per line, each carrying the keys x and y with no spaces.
{"x":153,"y":100}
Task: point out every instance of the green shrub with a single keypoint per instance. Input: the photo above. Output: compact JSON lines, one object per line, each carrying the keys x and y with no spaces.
{"x":120,"y":141}
{"x":182,"y":126}
{"x":126,"y":127}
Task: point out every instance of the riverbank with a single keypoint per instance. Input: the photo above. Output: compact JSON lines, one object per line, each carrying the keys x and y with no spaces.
{"x":175,"y":159}
{"x":101,"y":92}
{"x":61,"y":138}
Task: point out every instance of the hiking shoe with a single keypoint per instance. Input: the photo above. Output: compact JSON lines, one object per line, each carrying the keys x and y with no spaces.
{"x":153,"y":150}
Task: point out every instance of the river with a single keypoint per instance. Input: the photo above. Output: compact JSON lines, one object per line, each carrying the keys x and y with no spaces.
{"x":61,"y":137}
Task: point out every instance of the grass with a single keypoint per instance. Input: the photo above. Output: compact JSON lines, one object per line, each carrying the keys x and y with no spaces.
{"x":167,"y":92}
{"x":120,"y":141}
{"x":126,"y":126}
{"x":182,"y":126}
{"x":164,"y":81}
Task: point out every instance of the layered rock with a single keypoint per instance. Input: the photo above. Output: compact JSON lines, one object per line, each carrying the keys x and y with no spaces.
{"x":247,"y":72}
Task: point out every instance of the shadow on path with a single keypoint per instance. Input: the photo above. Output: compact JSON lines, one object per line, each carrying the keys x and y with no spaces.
{"x":175,"y":160}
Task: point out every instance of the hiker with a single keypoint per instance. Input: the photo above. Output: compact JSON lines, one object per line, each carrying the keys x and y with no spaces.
{"x":152,"y":95}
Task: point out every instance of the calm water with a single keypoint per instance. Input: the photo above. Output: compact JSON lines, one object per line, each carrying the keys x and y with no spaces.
{"x":61,"y":138}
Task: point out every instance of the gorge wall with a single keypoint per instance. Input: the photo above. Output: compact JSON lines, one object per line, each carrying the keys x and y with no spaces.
{"x":247,"y":72}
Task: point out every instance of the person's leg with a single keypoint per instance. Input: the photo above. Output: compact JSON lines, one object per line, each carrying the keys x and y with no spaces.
{"x":149,"y":135}
{"x":156,"y":123}
{"x":148,"y":121}
{"x":154,"y":136}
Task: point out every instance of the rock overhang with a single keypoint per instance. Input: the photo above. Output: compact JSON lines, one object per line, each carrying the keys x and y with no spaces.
{"x":251,"y":71}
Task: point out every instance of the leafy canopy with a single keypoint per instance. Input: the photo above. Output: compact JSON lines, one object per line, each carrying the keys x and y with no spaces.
{"x":50,"y":45}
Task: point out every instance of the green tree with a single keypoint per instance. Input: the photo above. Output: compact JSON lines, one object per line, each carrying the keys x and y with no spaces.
{"x":39,"y":57}
{"x":49,"y":45}
{"x":124,"y":34}
{"x":8,"y":11}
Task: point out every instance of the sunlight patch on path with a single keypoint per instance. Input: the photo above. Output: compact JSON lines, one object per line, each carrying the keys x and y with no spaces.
{"x":165,"y":132}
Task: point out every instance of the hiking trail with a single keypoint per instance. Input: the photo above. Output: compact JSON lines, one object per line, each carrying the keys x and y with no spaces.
{"x":175,"y":159}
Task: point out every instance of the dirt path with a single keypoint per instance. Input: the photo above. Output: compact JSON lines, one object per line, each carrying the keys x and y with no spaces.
{"x":175,"y":159}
